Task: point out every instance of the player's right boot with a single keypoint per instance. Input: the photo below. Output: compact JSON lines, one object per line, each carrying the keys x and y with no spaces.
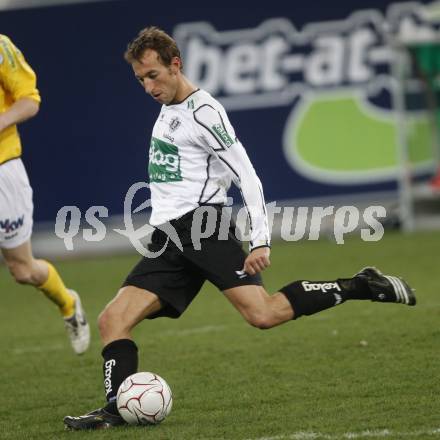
{"x":98,"y":419}
{"x":77,"y":327}
{"x":387,"y":288}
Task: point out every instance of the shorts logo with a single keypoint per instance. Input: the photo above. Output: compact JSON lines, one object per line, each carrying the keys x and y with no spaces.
{"x":323,"y":287}
{"x":7,"y":226}
{"x":241,"y":274}
{"x":164,"y":162}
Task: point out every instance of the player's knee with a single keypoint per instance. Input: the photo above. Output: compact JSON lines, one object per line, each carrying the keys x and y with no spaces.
{"x":259,"y":320}
{"x":109,"y":320}
{"x":105,"y":320}
{"x":21,"y":272}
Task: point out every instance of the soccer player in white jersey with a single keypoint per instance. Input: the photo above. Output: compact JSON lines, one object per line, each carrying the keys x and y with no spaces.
{"x":19,"y":101}
{"x":194,"y":155}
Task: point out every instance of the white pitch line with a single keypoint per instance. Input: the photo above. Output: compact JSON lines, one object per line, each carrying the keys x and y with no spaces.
{"x":194,"y":331}
{"x":384,"y":433}
{"x":37,"y":349}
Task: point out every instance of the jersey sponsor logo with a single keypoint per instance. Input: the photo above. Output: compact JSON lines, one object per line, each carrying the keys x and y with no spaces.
{"x":7,"y":226}
{"x":174,"y":123}
{"x":164,"y":162}
{"x":190,"y":104}
{"x":323,"y":287}
{"x":222,"y":134}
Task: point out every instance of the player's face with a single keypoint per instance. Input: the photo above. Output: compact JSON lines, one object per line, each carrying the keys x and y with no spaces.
{"x":159,"y":81}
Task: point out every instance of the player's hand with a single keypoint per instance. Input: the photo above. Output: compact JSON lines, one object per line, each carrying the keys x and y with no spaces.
{"x":257,"y":261}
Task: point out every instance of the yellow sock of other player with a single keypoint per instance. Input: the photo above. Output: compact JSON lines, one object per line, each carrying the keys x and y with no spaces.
{"x":56,"y":291}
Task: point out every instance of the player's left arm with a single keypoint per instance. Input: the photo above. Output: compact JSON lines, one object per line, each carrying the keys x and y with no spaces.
{"x":218,"y":136}
{"x":19,"y":80}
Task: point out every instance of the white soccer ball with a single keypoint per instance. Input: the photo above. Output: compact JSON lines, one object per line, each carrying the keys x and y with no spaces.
{"x":144,"y":399}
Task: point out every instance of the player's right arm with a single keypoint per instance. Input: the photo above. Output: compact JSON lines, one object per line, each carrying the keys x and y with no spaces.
{"x":18,"y":80}
{"x":216,"y":134}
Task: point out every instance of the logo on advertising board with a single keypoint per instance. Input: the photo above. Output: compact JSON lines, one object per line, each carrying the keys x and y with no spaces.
{"x":335,"y":78}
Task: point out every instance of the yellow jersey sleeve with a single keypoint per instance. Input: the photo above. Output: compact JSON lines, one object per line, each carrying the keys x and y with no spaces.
{"x":17,"y":81}
{"x":17,"y":77}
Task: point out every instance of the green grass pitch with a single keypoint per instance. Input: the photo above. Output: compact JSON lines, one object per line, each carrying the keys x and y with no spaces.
{"x":360,"y":370}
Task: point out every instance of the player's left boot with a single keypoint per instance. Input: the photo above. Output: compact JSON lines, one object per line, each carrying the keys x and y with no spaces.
{"x":98,"y":419}
{"x":77,"y":327}
{"x":387,"y":288}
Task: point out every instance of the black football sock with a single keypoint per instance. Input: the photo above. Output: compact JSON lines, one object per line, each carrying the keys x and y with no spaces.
{"x":112,"y":407}
{"x":120,"y":361}
{"x":309,"y":297}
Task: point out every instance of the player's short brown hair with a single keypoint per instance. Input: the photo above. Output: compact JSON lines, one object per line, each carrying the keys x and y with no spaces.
{"x":155,"y":39}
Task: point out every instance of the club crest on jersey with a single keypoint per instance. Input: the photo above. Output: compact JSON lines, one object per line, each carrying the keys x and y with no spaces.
{"x":174,"y":124}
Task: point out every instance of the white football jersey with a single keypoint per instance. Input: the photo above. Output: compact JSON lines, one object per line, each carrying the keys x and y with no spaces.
{"x":193,"y":156}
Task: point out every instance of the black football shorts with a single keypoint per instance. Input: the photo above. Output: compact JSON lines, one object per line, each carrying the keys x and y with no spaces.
{"x":176,"y":276}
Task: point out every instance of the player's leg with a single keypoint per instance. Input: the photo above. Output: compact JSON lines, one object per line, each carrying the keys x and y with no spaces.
{"x":120,"y":353}
{"x":41,"y":274}
{"x":156,"y":287}
{"x":16,"y":209}
{"x":222,"y":261}
{"x":258,"y":308}
{"x":265,"y":311}
{"x":130,"y":306}
{"x":25,"y":269}
{"x":309,"y":297}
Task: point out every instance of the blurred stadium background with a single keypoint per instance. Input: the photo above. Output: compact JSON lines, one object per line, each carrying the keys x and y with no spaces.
{"x":337,"y":104}
{"x":332,"y":104}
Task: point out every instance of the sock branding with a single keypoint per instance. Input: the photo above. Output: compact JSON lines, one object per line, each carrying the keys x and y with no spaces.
{"x":120,"y":361}
{"x":323,"y":287}
{"x":108,"y":375}
{"x":338,"y":298}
